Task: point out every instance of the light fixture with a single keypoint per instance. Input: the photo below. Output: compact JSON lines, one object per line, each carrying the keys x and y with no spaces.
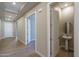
{"x":56,"y":8}
{"x":14,"y":3}
{"x":65,"y":5}
{"x":10,"y":16}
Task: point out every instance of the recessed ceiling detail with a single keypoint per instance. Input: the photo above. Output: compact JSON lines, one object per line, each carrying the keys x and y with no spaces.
{"x":9,"y":9}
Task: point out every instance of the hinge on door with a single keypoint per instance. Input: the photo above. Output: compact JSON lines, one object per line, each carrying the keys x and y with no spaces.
{"x":50,"y":38}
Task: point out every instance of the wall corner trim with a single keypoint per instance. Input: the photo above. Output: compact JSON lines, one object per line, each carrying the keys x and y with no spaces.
{"x":39,"y":53}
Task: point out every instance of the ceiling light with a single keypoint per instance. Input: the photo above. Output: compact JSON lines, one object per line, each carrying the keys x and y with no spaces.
{"x":66,"y":5}
{"x":56,"y":8}
{"x":14,"y":3}
{"x":9,"y":16}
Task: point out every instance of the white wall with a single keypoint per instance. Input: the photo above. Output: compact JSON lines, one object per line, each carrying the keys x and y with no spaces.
{"x":76,"y":30}
{"x":8,"y":29}
{"x":67,"y":15}
{"x":41,"y":23}
{"x":21,"y":29}
{"x":0,"y":28}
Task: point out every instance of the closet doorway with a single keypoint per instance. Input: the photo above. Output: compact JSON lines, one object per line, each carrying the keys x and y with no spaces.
{"x":30,"y":29}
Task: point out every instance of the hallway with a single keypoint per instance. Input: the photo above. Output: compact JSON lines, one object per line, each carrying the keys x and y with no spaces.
{"x":10,"y":48}
{"x":13,"y":39}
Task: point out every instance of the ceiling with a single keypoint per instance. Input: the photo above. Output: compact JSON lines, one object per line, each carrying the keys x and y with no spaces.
{"x":27,"y":7}
{"x":11,"y":12}
{"x":61,"y":4}
{"x":8,"y":11}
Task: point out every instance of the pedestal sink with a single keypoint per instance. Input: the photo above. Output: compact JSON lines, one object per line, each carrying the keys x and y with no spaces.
{"x":66,"y":38}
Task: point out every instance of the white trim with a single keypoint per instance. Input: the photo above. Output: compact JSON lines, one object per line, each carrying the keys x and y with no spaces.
{"x":76,"y":28}
{"x":39,"y":53}
{"x":48,"y":25}
{"x":35,"y":31}
{"x":35,"y":26}
{"x":25,"y":29}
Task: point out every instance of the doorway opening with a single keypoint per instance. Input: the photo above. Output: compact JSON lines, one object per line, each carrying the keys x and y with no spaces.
{"x":30,"y":30}
{"x":62,"y":29}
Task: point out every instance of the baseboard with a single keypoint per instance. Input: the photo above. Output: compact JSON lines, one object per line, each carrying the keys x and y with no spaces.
{"x":39,"y":53}
{"x":21,"y":42}
{"x":62,"y":46}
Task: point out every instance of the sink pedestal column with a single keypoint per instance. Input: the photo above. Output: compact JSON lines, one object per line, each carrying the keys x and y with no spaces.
{"x":66,"y":44}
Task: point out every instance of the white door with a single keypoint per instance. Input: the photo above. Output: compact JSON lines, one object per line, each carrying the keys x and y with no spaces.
{"x":54,"y":28}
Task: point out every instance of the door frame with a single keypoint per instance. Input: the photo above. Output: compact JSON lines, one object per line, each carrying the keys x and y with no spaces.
{"x":27,"y":15}
{"x":28,"y":30}
{"x":48,"y":25}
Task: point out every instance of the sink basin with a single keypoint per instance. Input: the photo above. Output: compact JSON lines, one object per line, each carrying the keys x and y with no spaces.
{"x":67,"y":37}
